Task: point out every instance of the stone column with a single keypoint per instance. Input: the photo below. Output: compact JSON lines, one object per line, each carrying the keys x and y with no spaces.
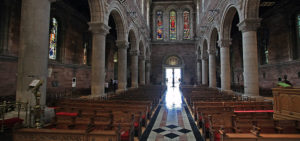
{"x":122,"y":65}
{"x":99,"y":32}
{"x":148,"y":68}
{"x":212,"y":68}
{"x":33,"y":51}
{"x":204,"y":71}
{"x":248,"y":28}
{"x":142,"y":70}
{"x":225,"y":64}
{"x":199,"y":76}
{"x":134,"y":68}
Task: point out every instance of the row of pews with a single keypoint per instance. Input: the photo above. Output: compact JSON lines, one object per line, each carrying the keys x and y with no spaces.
{"x":117,"y":118}
{"x":228,"y":117}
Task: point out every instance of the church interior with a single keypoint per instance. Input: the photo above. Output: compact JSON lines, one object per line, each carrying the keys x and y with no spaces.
{"x":149,"y":70}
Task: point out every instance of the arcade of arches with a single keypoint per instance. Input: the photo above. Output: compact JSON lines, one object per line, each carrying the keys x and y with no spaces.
{"x":98,"y":48}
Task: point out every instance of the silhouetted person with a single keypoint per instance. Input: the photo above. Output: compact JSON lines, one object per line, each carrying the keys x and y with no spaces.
{"x":286,"y":81}
{"x":115,"y":87}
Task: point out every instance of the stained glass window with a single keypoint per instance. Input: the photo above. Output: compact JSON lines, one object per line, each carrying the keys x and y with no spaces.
{"x":160,"y":26}
{"x":85,"y":54}
{"x":173,"y":25}
{"x":186,"y":25}
{"x":53,"y":39}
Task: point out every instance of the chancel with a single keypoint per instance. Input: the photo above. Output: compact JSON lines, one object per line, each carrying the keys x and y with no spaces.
{"x":149,"y":70}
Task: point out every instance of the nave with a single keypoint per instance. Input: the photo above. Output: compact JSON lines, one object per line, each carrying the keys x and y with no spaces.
{"x":172,"y":120}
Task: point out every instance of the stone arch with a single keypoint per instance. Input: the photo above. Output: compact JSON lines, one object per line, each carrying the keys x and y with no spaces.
{"x":204,"y":49}
{"x":214,"y":35}
{"x":226,"y":22}
{"x":116,"y":12}
{"x":98,"y":10}
{"x":251,"y":9}
{"x":142,"y":48}
{"x":165,"y":58}
{"x":133,"y":39}
{"x":148,"y":52}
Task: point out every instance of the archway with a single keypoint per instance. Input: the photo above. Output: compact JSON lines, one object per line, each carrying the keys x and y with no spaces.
{"x":173,"y":70}
{"x":122,"y":45}
{"x":214,"y":59}
{"x":132,"y":60}
{"x":111,"y":55}
{"x":232,"y":51}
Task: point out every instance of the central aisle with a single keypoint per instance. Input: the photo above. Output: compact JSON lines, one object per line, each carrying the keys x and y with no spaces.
{"x":172,"y":120}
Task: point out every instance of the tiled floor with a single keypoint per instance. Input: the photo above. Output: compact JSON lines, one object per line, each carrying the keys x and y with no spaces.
{"x":172,"y":120}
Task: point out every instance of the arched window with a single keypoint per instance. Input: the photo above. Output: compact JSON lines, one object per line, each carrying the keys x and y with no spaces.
{"x":85,"y":54}
{"x":186,"y":25}
{"x":160,"y":27}
{"x":173,"y":25}
{"x":53,"y":39}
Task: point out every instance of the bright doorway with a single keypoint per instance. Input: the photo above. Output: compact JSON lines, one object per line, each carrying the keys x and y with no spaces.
{"x":173,"y":77}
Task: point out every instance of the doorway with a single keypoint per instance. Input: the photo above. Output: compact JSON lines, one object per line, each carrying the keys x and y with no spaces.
{"x":173,"y":77}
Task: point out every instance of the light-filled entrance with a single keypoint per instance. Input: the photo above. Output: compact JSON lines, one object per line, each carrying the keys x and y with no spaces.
{"x":173,"y":77}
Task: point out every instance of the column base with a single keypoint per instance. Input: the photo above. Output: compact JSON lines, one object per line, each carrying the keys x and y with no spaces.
{"x":94,"y":96}
{"x":257,"y":98}
{"x":131,"y":88}
{"x":120,"y":90}
{"x":227,"y":91}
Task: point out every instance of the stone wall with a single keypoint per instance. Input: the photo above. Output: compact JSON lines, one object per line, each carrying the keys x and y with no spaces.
{"x":281,"y":30}
{"x":73,"y":33}
{"x":182,"y":49}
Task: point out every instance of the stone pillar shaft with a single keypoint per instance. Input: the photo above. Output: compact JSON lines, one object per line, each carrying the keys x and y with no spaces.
{"x":225,"y":68}
{"x":134,"y":69}
{"x":99,"y":31}
{"x":122,"y":65}
{"x":204,"y":71}
{"x":142,"y":70}
{"x":212,"y":69}
{"x":148,"y":68}
{"x":250,"y":63}
{"x":225,"y":64}
{"x":33,"y":51}
{"x":248,"y":28}
{"x":199,"y":75}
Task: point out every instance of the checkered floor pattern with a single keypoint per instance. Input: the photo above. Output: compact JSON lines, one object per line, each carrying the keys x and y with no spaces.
{"x":171,"y":131}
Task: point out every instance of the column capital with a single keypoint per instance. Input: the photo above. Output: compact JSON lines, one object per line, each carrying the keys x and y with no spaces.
{"x":99,"y":28}
{"x":224,"y":43}
{"x":148,"y":61}
{"x":211,"y":51}
{"x":141,"y":57}
{"x":122,"y":44}
{"x":134,"y":52}
{"x":204,"y":58}
{"x":249,"y":25}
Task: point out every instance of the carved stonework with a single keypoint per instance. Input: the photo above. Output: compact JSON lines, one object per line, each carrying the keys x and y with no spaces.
{"x":224,"y":43}
{"x":99,"y":28}
{"x":122,"y":44}
{"x":134,"y":52}
{"x":211,"y":51}
{"x":249,"y":25}
{"x":142,"y":57}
